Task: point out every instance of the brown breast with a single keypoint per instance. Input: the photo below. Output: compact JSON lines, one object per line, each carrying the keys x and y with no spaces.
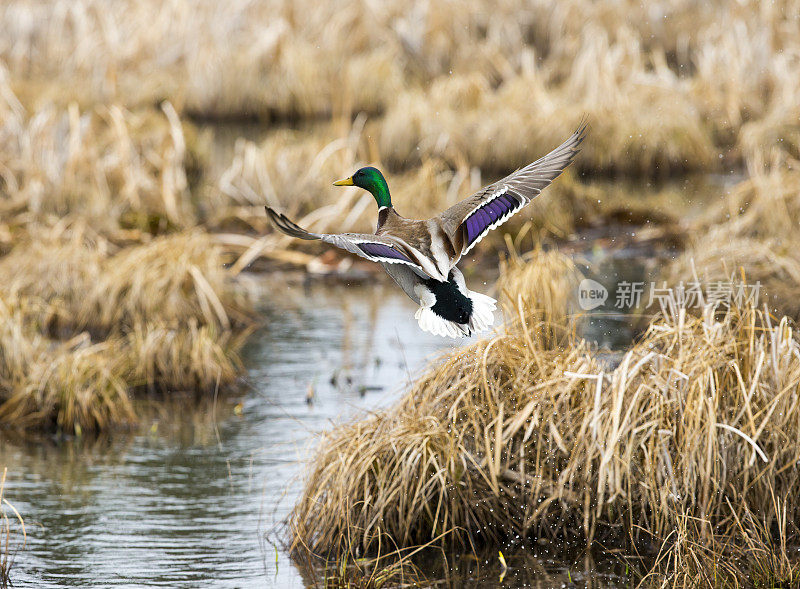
{"x":414,"y":232}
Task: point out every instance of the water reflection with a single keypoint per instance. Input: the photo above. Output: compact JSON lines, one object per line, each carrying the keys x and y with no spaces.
{"x":537,"y":567}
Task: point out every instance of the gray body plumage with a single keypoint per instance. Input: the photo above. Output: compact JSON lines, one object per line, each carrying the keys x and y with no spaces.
{"x":405,"y":278}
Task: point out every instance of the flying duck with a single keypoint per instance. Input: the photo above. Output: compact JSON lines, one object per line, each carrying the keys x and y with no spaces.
{"x":421,"y":255}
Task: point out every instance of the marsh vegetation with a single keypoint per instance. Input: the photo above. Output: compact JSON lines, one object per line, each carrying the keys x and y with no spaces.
{"x":126,"y":234}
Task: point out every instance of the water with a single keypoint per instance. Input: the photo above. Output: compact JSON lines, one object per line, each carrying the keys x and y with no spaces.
{"x":191,"y":497}
{"x":196,"y":495}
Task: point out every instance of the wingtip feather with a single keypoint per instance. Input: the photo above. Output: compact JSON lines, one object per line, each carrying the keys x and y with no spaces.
{"x":287,"y":226}
{"x":581,"y":132}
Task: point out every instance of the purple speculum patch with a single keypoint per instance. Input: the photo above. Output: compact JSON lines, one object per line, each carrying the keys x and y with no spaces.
{"x":380,"y":250}
{"x":488,"y":214}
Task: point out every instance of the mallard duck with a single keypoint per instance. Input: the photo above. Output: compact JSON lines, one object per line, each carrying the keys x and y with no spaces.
{"x":421,"y":255}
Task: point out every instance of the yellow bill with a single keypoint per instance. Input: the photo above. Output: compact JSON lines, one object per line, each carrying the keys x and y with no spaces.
{"x":344,"y":182}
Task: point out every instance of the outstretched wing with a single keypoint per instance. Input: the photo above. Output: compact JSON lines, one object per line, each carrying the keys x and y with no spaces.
{"x":377,"y":248}
{"x":467,"y":222}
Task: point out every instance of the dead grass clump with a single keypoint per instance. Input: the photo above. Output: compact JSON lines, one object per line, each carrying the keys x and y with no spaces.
{"x":86,"y":324}
{"x":72,"y":389}
{"x":172,"y":279}
{"x":60,"y":272}
{"x":540,"y":287}
{"x":751,"y":233}
{"x":483,"y":127}
{"x":286,"y":66}
{"x":715,"y":396}
{"x":71,"y":385}
{"x":720,"y":261}
{"x":94,"y":285}
{"x":78,"y":386}
{"x":21,"y":345}
{"x":764,"y":206}
{"x":193,"y":357}
{"x":434,"y":465}
{"x":118,"y":169}
{"x":438,"y":462}
{"x":509,"y":437}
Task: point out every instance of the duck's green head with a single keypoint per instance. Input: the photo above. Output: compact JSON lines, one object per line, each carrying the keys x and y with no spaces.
{"x":370,"y":179}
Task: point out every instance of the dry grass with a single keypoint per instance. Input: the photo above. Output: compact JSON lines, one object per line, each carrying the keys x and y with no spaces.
{"x":10,"y":528}
{"x":539,"y":286}
{"x":751,"y":233}
{"x":91,"y":284}
{"x":110,"y":288}
{"x":668,"y":87}
{"x":765,"y":205}
{"x":85,"y":323}
{"x":241,"y":60}
{"x":747,"y":552}
{"x":72,"y":385}
{"x":521,"y":435}
{"x":118,"y":170}
{"x":79,"y":386}
{"x":172,"y":279}
{"x":666,"y":84}
{"x":720,"y":257}
{"x":434,"y":123}
{"x":191,"y":357}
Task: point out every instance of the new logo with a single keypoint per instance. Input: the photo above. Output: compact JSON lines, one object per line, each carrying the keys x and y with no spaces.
{"x":591,"y":294}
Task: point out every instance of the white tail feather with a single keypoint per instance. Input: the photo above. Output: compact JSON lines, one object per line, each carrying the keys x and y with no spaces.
{"x":432,"y":323}
{"x":483,"y":307}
